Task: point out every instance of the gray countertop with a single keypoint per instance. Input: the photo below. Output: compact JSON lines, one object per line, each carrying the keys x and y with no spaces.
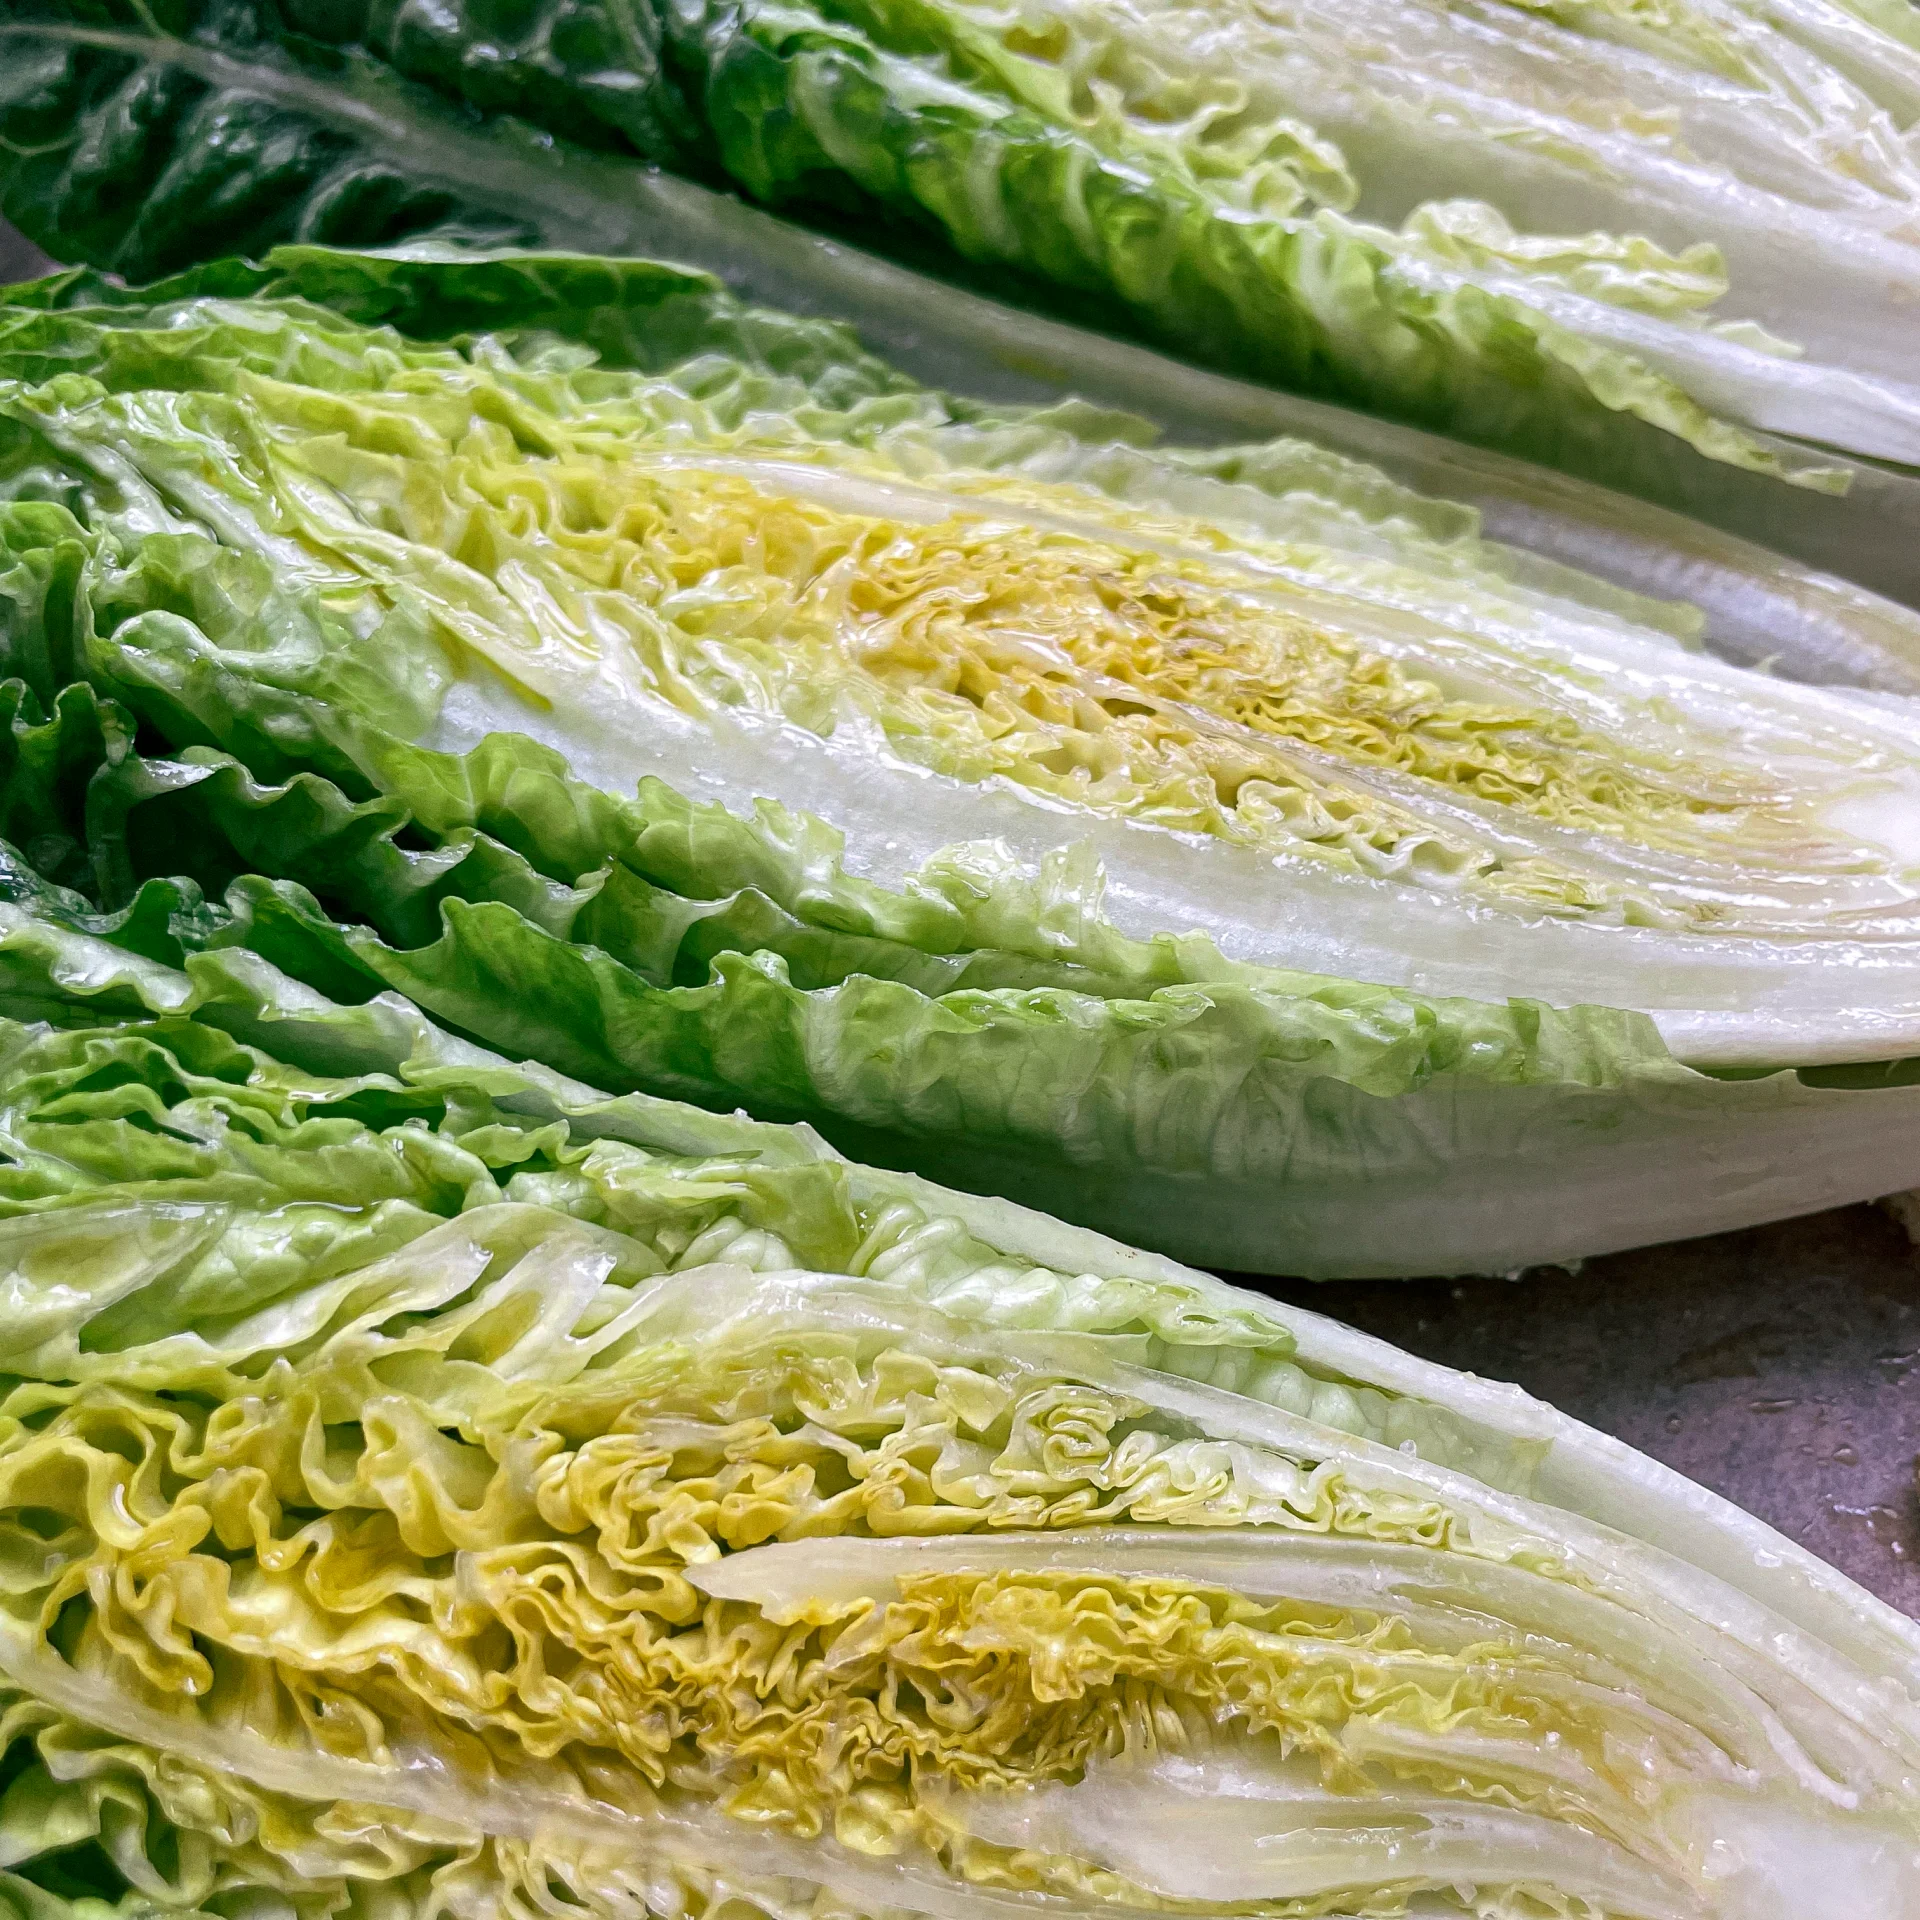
{"x":1779,"y":1366}
{"x":18,"y":261}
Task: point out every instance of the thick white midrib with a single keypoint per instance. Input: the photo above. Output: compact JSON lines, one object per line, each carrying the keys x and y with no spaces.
{"x":1444,"y":649}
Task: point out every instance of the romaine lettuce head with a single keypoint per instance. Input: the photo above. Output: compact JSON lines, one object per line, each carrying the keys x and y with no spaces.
{"x":428,"y":1484}
{"x":1234,"y":848}
{"x":1496,"y":218}
{"x":1631,"y":242}
{"x":148,"y":144}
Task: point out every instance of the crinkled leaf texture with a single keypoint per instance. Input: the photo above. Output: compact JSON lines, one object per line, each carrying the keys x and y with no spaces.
{"x":345,"y":569}
{"x":1086,"y":172}
{"x":428,"y":1483}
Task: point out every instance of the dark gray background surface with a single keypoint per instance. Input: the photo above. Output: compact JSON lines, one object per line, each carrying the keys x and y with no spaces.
{"x":1779,"y":1366}
{"x":17,"y":259}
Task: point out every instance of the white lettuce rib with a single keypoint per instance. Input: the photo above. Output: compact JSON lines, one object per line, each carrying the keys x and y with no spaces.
{"x":1718,"y":1000}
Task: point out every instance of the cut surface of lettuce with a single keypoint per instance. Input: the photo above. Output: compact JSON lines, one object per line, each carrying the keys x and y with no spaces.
{"x":1232,"y":849}
{"x":983,"y":1028}
{"x":1326,"y":201}
{"x":426,"y":1479}
{"x":146,"y":140}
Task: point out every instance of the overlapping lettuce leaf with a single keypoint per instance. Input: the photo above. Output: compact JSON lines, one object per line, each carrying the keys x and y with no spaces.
{"x":1098,"y":168}
{"x":787,"y":568}
{"x":428,"y":1481}
{"x":984,"y":1028}
{"x":1327,"y":200}
{"x":219,"y":524}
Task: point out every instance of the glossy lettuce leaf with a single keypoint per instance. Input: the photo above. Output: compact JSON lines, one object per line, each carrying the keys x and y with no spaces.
{"x":209,"y":525}
{"x":759,"y":563}
{"x":421,"y":1474}
{"x":985,"y":1025}
{"x":146,"y":141}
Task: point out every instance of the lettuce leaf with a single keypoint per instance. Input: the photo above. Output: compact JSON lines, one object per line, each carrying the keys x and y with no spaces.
{"x":428,"y":1477}
{"x":146,"y":142}
{"x":347,"y":560}
{"x":981,"y":1027}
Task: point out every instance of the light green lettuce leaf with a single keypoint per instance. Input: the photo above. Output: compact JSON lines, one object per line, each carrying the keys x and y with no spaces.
{"x":148,"y":142}
{"x":445,"y":629}
{"x":979,"y":1027}
{"x":425,"y":1477}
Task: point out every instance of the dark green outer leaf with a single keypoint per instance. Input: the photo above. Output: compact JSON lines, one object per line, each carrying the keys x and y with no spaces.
{"x":146,"y":152}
